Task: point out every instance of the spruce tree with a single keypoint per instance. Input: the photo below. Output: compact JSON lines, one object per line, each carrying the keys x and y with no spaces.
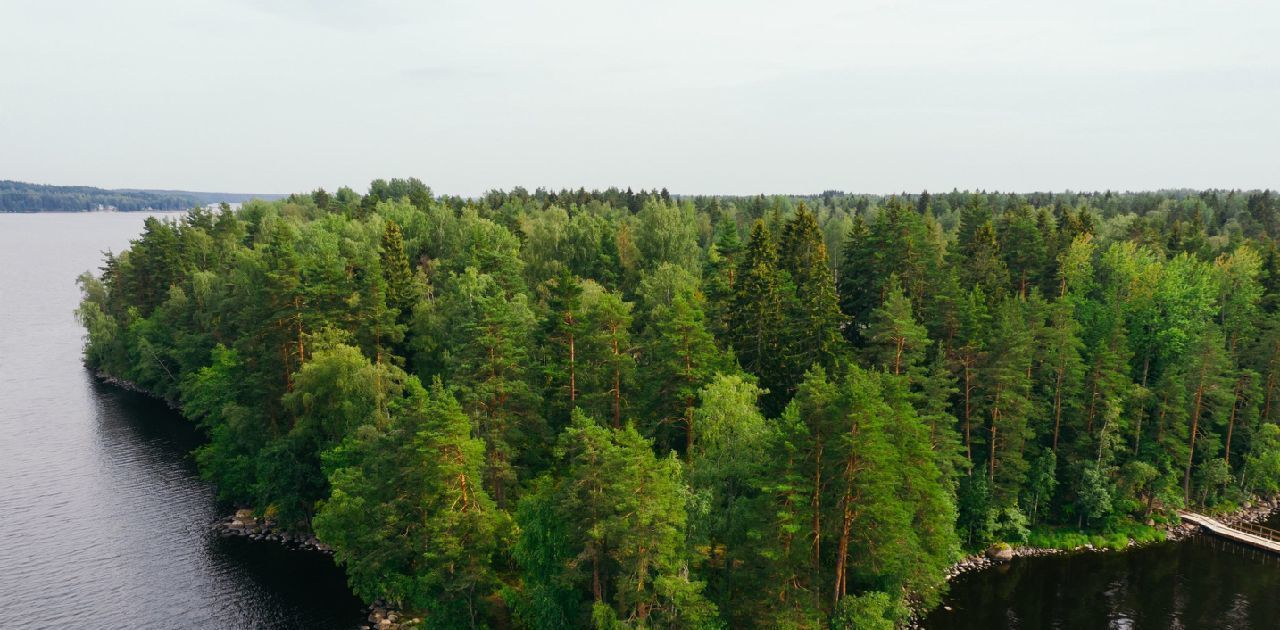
{"x":813,"y":328}
{"x":758,"y":318}
{"x":401,"y":289}
{"x":859,"y":289}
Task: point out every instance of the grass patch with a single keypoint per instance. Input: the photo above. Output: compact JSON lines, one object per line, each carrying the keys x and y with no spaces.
{"x":1116,"y":539}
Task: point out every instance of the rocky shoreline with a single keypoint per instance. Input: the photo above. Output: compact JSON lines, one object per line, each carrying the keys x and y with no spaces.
{"x":130,"y":386}
{"x":244,"y":524}
{"x":384,"y":617}
{"x":1250,"y":513}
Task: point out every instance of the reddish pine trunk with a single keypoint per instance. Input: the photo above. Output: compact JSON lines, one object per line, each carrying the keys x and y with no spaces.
{"x":1266,"y":405}
{"x":573,"y":382}
{"x":1231,"y":423}
{"x":816,"y":504}
{"x":995,"y":419}
{"x":617,"y":385}
{"x":1057,"y":404}
{"x":1195,"y":426}
{"x":968,"y":390}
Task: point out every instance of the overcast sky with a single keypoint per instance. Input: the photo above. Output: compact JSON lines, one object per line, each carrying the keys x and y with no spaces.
{"x":727,"y":96}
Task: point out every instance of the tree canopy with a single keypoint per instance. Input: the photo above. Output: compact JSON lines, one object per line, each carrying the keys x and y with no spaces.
{"x":632,"y":409}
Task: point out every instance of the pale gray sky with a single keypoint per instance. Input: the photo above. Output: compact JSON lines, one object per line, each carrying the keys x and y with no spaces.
{"x":724,"y":96}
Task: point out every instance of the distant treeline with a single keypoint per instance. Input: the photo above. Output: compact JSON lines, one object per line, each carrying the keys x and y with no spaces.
{"x":24,"y":197}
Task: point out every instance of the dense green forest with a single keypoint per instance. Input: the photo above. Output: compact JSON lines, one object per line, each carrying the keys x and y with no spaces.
{"x":626,"y":409}
{"x":24,"y":197}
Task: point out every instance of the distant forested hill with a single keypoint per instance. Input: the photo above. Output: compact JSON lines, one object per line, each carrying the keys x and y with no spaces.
{"x":24,"y":197}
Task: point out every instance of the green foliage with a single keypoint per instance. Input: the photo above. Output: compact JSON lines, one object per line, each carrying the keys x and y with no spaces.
{"x":726,"y":471}
{"x":785,"y":439}
{"x":1262,"y":465}
{"x":408,"y":516}
{"x":1094,"y":495}
{"x":678,"y":355}
{"x":757,"y":321}
{"x":896,"y":342}
{"x":873,"y":610}
{"x":622,"y":539}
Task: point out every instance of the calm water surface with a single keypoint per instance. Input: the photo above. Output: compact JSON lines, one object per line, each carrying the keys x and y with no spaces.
{"x":1198,"y":583}
{"x":103,"y":521}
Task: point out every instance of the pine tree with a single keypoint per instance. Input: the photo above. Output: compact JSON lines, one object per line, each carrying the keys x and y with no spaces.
{"x":811,"y":423}
{"x":869,"y":516}
{"x":1022,"y":243}
{"x":968,"y":355}
{"x":408,"y":517}
{"x":678,"y":355}
{"x":925,"y":488}
{"x":608,"y":358}
{"x":985,"y":267}
{"x":626,"y":516}
{"x":1007,"y":389}
{"x":1209,"y":388}
{"x":563,"y":329}
{"x":1062,"y":366}
{"x":488,"y":352}
{"x":1265,"y":357}
{"x":894,"y":512}
{"x":896,"y":342}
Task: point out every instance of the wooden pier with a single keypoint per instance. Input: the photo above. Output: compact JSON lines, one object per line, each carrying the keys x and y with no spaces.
{"x":1251,"y":534}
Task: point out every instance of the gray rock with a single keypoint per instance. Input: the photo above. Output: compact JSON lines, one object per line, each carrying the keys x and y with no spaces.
{"x":997,"y":552}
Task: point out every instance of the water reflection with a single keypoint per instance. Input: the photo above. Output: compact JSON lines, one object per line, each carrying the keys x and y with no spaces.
{"x":1199,"y":583}
{"x":103,"y":520}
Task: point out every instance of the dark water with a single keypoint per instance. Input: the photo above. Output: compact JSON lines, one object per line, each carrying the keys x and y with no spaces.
{"x":103,"y":522}
{"x":1202,"y":582}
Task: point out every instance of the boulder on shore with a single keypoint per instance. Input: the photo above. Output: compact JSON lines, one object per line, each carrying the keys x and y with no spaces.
{"x":1000,"y":552}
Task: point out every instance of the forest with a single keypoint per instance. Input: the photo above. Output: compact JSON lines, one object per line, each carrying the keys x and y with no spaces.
{"x":624,"y":409}
{"x":24,"y":197}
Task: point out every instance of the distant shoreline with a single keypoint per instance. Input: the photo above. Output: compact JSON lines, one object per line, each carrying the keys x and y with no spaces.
{"x":25,"y":197}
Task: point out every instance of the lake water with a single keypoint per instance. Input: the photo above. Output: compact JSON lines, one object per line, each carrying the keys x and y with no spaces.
{"x":103,"y":520}
{"x":104,"y":523}
{"x":1197,"y":583}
